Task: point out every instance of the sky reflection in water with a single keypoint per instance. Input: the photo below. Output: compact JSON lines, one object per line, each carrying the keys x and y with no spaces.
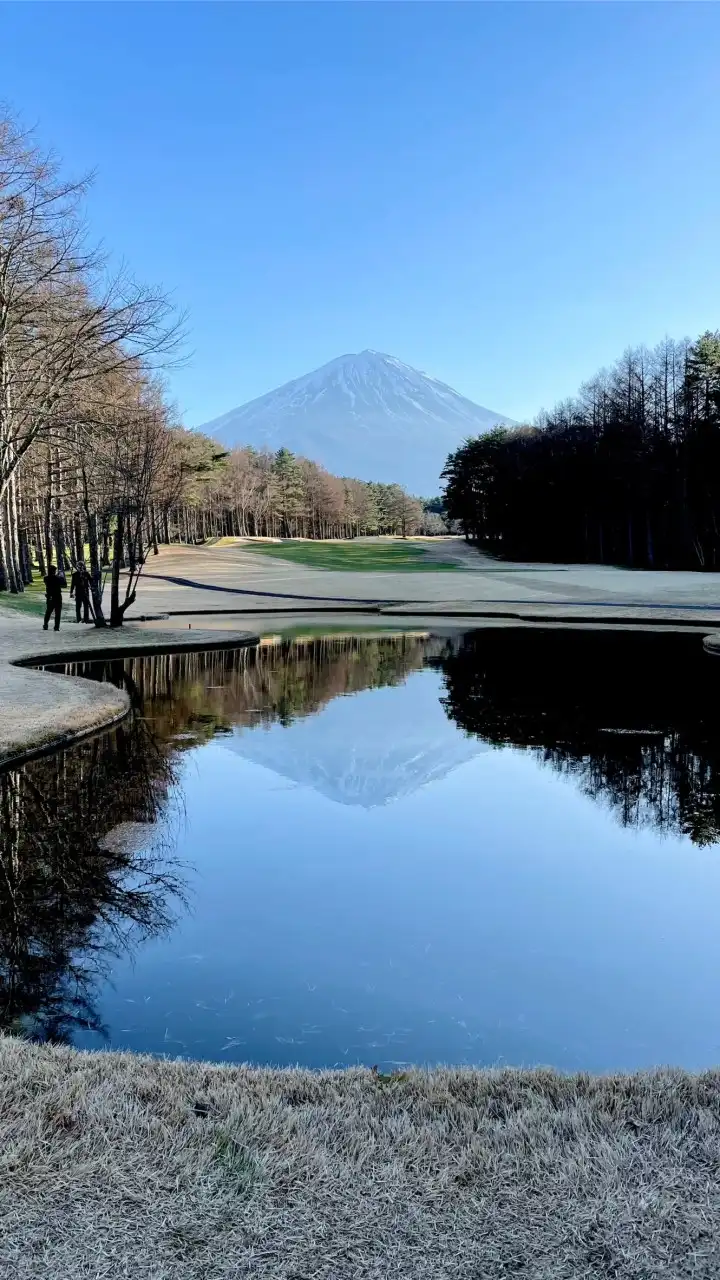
{"x":500,"y":848}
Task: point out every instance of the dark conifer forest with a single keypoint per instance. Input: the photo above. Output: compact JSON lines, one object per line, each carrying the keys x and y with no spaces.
{"x":627,"y":472}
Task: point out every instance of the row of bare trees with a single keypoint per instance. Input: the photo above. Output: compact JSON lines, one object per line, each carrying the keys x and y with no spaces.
{"x":84,"y":439}
{"x":93,"y":466}
{"x":247,"y":493}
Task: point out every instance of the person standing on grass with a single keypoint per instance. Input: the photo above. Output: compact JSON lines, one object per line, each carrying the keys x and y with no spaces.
{"x":53,"y":598}
{"x":80,"y":589}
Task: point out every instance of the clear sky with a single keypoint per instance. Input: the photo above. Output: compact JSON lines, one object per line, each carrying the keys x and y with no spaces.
{"x":505,"y":195}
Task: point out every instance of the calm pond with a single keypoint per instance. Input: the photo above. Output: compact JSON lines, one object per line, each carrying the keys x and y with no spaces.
{"x":496,"y":847}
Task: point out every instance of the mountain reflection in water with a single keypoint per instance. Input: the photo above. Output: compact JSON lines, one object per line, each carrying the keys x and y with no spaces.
{"x":72,"y":899}
{"x":630,"y":717}
{"x":88,"y":836}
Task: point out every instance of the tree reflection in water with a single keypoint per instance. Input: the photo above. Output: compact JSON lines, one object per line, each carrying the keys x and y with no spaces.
{"x":631,"y":717}
{"x":77,"y":885}
{"x":72,"y":900}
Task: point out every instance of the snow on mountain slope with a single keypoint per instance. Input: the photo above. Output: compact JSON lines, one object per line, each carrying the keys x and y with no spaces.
{"x":369,"y":749}
{"x":368,"y":416}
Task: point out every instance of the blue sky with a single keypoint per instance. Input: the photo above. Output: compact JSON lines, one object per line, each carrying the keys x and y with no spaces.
{"x":505,"y":195}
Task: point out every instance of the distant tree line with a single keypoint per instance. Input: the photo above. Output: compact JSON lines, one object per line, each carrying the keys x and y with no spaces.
{"x":627,"y":472}
{"x":251,"y":493}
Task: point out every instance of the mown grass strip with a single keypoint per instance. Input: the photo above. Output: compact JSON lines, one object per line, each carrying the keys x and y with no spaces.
{"x":362,"y":557}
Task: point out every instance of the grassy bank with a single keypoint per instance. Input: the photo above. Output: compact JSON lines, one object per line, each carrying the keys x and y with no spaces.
{"x":296,"y":631}
{"x":114,"y":1165}
{"x":366,"y":557}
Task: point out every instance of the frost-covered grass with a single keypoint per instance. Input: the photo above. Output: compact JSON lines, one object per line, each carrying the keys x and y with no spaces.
{"x":397,"y":557}
{"x":114,"y":1165}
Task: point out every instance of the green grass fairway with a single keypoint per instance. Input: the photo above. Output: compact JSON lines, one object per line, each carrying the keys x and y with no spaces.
{"x":395,"y":557}
{"x":32,"y":599}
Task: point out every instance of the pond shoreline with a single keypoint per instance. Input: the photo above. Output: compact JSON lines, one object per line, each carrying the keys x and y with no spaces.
{"x":201,"y":1170}
{"x":206,"y":1170}
{"x":41,"y":711}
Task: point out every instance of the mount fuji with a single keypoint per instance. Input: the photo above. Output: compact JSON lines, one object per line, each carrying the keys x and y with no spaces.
{"x":368,"y":416}
{"x":349,"y":753}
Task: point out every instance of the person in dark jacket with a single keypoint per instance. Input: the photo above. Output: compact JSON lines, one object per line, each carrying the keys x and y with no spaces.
{"x":53,"y":598}
{"x":80,"y":589}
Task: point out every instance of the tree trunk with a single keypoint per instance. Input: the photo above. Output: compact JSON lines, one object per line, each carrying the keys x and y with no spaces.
{"x":25,"y":558}
{"x":79,"y":541}
{"x":95,"y":570}
{"x":60,"y":547}
{"x":39,"y":547}
{"x":5,"y":579}
{"x":649,"y":541}
{"x":59,"y":530}
{"x":47,"y":536}
{"x":9,"y":550}
{"x":118,"y":608}
{"x":116,"y":616}
{"x":14,"y":529}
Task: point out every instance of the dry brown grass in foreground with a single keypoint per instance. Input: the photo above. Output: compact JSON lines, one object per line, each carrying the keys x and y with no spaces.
{"x":119,"y":1166}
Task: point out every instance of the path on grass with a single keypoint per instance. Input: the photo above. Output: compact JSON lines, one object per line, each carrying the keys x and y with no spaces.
{"x":239,"y":576}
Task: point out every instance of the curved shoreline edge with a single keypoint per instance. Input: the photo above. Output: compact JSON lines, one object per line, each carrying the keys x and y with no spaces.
{"x":42,"y":711}
{"x":212,"y":1169}
{"x":199,"y":1170}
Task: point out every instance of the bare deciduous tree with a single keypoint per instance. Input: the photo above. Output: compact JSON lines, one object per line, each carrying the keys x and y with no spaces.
{"x":63,"y":323}
{"x":92,"y":465}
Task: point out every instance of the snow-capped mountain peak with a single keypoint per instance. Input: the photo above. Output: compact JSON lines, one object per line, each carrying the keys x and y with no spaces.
{"x":347,"y":753}
{"x":366,"y":415}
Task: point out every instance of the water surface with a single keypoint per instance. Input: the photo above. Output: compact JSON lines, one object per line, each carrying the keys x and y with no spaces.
{"x":501,"y":847}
